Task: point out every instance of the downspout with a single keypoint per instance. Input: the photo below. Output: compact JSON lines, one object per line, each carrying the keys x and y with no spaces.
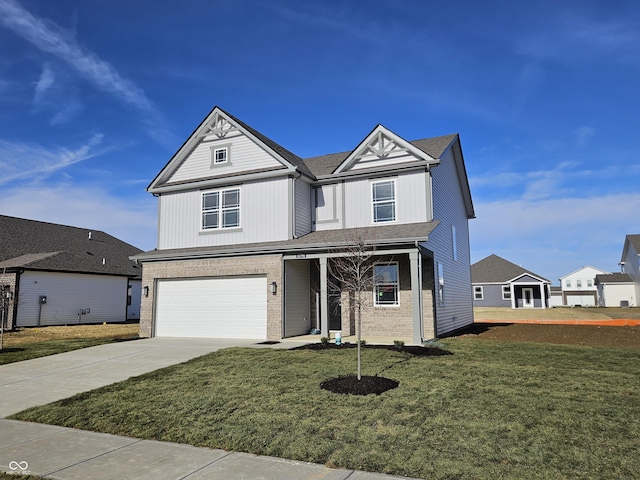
{"x":16,"y":296}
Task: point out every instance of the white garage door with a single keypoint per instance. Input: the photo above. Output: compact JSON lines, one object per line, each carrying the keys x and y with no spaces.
{"x":228,"y":307}
{"x":585,"y":300}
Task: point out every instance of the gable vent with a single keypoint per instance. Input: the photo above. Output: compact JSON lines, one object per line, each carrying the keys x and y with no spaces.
{"x":104,"y":261}
{"x":90,"y":235}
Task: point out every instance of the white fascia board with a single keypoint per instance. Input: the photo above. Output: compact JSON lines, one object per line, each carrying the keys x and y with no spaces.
{"x":529,"y":275}
{"x":396,"y":138}
{"x":580,"y":269}
{"x":194,"y":139}
{"x":368,"y":173}
{"x":215,"y":182}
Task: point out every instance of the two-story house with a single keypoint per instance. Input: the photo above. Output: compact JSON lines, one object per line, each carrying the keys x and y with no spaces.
{"x":247,"y":230}
{"x":630,"y":263}
{"x":579,"y":288}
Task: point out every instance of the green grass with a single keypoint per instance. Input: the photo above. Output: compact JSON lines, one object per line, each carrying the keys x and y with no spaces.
{"x":492,"y":410}
{"x":27,"y":351}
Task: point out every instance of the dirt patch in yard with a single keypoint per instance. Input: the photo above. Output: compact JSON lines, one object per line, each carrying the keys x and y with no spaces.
{"x":23,"y":336}
{"x":588,"y":335}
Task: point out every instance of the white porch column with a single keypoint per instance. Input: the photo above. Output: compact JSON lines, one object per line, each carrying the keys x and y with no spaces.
{"x":542,"y":296}
{"x":324,"y":303}
{"x":416,"y":289}
{"x":513,"y":295}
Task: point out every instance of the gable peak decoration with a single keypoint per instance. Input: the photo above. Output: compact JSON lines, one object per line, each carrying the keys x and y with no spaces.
{"x":218,"y":125}
{"x":382,"y":144}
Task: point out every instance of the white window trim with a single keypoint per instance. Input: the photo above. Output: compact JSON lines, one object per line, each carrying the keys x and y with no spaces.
{"x":216,"y":148}
{"x":395,"y":201}
{"x":505,"y":289}
{"x":440,"y":282}
{"x":478,"y":289}
{"x":454,"y":242}
{"x":220,"y":228}
{"x":375,"y":300}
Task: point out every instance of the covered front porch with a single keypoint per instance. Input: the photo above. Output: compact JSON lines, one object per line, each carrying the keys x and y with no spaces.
{"x":529,"y":292}
{"x":398,"y":305}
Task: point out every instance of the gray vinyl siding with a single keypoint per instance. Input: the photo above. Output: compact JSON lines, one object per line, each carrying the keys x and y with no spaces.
{"x":349,"y":204}
{"x":297,"y":298}
{"x":264,"y":217}
{"x":244,"y":155}
{"x":492,"y":296}
{"x":448,"y":207}
{"x":67,"y":294}
{"x":302,"y":208}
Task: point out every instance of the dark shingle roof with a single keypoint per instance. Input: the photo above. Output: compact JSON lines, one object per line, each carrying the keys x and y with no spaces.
{"x":326,"y":164}
{"x":614,"y":278}
{"x":495,"y":269}
{"x":635,"y":241}
{"x":323,"y":240}
{"x":48,"y":246}
{"x":290,"y":157}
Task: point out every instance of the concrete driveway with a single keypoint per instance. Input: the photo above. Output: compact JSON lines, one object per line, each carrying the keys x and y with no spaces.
{"x":47,"y":379}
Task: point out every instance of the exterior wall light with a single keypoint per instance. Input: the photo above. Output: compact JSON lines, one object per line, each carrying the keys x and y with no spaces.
{"x":274,"y":288}
{"x":146,"y":291}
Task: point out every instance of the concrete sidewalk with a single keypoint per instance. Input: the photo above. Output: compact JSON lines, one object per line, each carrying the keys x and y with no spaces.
{"x":69,"y":454}
{"x":66,"y":453}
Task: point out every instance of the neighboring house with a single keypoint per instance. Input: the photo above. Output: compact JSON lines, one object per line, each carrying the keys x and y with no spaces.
{"x":630,"y":261}
{"x":616,"y":290}
{"x":497,"y":282}
{"x":579,"y":287}
{"x":246,"y":229}
{"x":555,"y":297}
{"x":61,"y":275}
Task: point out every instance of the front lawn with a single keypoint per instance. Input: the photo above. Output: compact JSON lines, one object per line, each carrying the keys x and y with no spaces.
{"x":27,"y":343}
{"x":491,"y":410}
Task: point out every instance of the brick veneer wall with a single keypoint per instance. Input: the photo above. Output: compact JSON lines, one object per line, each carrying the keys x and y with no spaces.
{"x":269,"y":265}
{"x":9,"y":279}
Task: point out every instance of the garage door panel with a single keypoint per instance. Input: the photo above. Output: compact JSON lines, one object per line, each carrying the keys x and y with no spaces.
{"x":229,"y":307}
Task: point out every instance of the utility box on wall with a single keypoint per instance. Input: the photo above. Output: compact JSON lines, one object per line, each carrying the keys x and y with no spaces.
{"x":43,"y":299}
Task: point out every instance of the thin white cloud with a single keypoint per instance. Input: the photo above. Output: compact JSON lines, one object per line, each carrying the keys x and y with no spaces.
{"x":87,"y":207}
{"x":584,"y":135}
{"x":574,"y":36}
{"x":50,"y":38}
{"x":29,"y":161}
{"x":45,"y":83}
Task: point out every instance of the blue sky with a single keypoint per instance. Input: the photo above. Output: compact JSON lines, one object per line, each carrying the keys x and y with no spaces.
{"x":96,"y":96}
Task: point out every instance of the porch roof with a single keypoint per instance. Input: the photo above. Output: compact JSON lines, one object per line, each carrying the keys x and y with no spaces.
{"x":378,"y":236}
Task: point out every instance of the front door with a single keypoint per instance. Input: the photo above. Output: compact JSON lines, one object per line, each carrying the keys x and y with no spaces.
{"x":527,"y":297}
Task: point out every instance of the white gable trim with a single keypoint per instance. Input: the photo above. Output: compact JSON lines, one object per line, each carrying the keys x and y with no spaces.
{"x":382,"y":142}
{"x":216,"y":123}
{"x":528,"y":275}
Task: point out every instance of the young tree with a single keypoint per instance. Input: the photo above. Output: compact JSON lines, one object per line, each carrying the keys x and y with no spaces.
{"x":352,"y":267}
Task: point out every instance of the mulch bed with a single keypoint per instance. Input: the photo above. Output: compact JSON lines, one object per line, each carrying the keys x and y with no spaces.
{"x":367,"y":385}
{"x":411,"y":349}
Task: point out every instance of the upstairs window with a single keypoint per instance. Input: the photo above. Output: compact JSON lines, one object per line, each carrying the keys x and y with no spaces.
{"x":567,"y":283}
{"x":384,"y":201}
{"x":221,"y":209}
{"x":386,"y":285}
{"x":578,"y":283}
{"x":220,"y":155}
{"x":589,"y":283}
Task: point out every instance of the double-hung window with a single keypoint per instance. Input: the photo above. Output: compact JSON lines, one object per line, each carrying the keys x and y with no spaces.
{"x":386,"y":285}
{"x":506,"y":292}
{"x":384,"y":201}
{"x":221,"y":209}
{"x":478,"y":293}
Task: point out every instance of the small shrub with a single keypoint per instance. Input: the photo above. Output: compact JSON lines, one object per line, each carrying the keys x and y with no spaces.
{"x":363,"y":343}
{"x":398,"y":344}
{"x":324,"y":340}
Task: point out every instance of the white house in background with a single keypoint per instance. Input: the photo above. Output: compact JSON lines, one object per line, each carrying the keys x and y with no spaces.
{"x":62,"y":275}
{"x":579,"y":287}
{"x":616,"y":290}
{"x":630,"y":261}
{"x":247,"y":230}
